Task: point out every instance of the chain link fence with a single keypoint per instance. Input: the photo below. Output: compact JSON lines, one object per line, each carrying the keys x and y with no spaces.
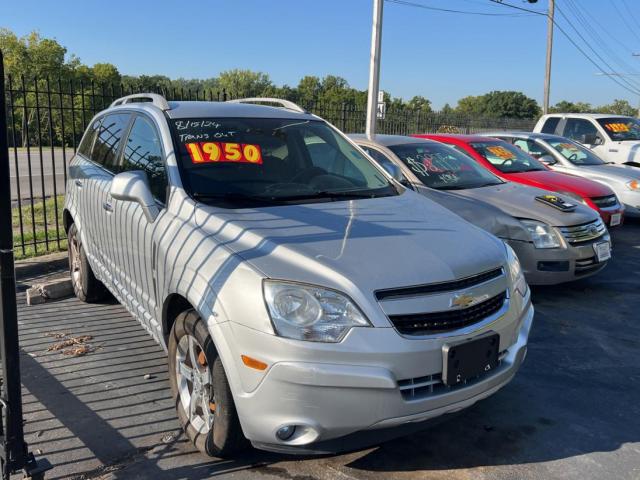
{"x":46,"y":119}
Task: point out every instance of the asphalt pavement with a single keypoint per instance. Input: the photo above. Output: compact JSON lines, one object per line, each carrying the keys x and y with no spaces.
{"x":572,"y":412}
{"x":46,"y":170}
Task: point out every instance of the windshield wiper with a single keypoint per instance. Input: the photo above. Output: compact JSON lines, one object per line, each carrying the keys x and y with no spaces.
{"x":234,"y":197}
{"x":326,"y":194}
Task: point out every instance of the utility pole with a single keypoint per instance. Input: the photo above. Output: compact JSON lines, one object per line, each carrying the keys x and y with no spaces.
{"x":374,"y":67}
{"x":547,"y":76}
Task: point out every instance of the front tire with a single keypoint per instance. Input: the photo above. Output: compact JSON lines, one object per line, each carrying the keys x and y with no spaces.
{"x":200,"y":388}
{"x":85,"y":284}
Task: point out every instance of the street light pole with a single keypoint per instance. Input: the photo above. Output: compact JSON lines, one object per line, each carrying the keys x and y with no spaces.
{"x":374,"y":68}
{"x":547,"y":76}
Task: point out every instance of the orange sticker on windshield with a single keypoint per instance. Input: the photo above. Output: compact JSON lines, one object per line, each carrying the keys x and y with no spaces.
{"x":617,"y":127}
{"x":501,"y":152}
{"x":568,"y":146}
{"x":217,"y":152}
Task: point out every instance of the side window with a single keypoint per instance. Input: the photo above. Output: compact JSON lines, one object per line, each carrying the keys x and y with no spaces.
{"x":143,"y":151}
{"x":579,"y":129}
{"x":531,"y":147}
{"x":550,"y":125}
{"x":87,"y":141}
{"x":380,"y":158}
{"x":105,"y":150}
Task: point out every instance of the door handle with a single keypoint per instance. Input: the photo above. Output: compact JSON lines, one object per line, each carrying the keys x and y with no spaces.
{"x":107,"y":206}
{"x":78,"y":183}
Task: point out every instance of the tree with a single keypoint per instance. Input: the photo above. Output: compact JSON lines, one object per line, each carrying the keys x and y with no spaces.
{"x":570,"y":107}
{"x":500,"y":104}
{"x":106,"y":73}
{"x":32,"y":55}
{"x":420,"y":103}
{"x":244,"y":83}
{"x":619,"y":107}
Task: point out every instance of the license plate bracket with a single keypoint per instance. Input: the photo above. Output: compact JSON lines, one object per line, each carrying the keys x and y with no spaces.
{"x":466,"y":360}
{"x":616,"y":219}
{"x":603,"y":251}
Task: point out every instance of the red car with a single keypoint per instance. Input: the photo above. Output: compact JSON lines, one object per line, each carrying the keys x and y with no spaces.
{"x":512,"y":164}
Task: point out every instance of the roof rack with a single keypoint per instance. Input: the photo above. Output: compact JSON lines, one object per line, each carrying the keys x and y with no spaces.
{"x":278,"y":101}
{"x":154,"y":98}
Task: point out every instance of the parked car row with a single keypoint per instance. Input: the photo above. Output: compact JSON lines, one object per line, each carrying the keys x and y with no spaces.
{"x":310,"y":298}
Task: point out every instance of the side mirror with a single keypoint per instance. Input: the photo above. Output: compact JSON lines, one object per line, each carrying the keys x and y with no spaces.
{"x":134,"y":187}
{"x":548,"y":159}
{"x":591,"y":139}
{"x":393,"y":170}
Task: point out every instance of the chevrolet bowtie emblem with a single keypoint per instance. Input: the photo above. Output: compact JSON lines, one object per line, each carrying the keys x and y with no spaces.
{"x":463,"y":300}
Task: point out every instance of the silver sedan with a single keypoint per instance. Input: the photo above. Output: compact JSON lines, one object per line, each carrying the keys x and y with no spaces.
{"x":567,"y":156}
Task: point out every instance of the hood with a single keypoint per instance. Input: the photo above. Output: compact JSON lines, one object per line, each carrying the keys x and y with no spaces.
{"x":559,"y":182}
{"x":520,"y":201}
{"x":480,"y":213}
{"x":615,"y":171}
{"x":366,"y":244}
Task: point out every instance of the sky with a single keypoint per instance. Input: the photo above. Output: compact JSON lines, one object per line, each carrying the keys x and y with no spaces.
{"x":441,"y":56}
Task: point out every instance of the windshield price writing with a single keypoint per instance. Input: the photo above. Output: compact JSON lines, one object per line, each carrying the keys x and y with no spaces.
{"x":216,"y":152}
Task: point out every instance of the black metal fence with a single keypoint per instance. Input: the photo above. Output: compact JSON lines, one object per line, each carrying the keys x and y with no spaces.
{"x":46,"y":119}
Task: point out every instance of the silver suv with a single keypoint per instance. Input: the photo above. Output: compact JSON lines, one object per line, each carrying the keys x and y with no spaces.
{"x":305,"y":298}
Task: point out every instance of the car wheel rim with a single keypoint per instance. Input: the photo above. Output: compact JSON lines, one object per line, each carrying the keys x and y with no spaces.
{"x":76,"y":270}
{"x":194,"y":384}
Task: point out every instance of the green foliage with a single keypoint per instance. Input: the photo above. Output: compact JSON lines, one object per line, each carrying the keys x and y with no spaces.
{"x":499,"y":104}
{"x":619,"y":107}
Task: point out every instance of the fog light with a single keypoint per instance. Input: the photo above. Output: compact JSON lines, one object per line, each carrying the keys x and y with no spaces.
{"x":285,"y":433}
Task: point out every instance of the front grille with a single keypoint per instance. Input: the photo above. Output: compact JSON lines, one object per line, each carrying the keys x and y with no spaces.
{"x":605,"y":202}
{"x":438,"y":322}
{"x":583,"y":233}
{"x":431,"y":385}
{"x":439,"y":287}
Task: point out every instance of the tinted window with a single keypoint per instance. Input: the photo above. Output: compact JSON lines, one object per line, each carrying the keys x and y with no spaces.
{"x":379,"y":157}
{"x":579,"y":129}
{"x":87,"y":141}
{"x":621,"y":129}
{"x":240,"y":160}
{"x":442,"y":167}
{"x":506,"y":157}
{"x":550,"y":125}
{"x":105,"y":150}
{"x":143,"y":151}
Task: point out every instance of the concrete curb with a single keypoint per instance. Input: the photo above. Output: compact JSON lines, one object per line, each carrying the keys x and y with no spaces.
{"x":35,"y":267}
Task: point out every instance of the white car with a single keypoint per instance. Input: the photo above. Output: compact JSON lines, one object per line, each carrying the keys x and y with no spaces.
{"x":566,"y":156}
{"x":614,"y":138}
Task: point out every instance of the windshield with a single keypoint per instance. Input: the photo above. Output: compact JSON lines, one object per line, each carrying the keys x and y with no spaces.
{"x":442,"y":167}
{"x":575,"y":153}
{"x":506,"y":157}
{"x":621,"y":129}
{"x":254,"y":160}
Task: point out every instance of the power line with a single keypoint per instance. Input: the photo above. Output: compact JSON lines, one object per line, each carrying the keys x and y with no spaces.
{"x":448,"y":10}
{"x":624,"y":19}
{"x":574,"y":43}
{"x":595,"y":52}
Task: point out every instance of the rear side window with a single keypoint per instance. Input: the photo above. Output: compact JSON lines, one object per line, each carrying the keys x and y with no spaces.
{"x":579,"y":129}
{"x":87,"y":141}
{"x":550,"y":125}
{"x":105,"y":150}
{"x":531,"y":147}
{"x":143,"y":151}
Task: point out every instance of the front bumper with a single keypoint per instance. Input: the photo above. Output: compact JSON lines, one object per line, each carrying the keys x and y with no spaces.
{"x":334,"y":392}
{"x":631,"y":202}
{"x":607,"y":213}
{"x":551,"y":266}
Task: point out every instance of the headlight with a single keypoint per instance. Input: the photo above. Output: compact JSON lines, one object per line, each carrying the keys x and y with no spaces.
{"x":634,"y":185}
{"x":515,"y":272}
{"x":575,"y":196}
{"x":306,"y":312}
{"x":543,"y":235}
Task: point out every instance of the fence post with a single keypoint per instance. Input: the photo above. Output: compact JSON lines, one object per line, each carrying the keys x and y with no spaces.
{"x":14,"y":454}
{"x":343,"y":118}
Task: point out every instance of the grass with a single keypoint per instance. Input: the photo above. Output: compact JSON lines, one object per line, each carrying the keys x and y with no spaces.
{"x":36,"y":244}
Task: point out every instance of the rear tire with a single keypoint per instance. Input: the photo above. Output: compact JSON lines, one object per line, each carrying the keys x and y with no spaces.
{"x":85,"y":284}
{"x":205,"y":406}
